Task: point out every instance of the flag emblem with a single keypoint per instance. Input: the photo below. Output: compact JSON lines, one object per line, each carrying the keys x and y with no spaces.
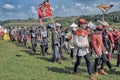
{"x":105,"y":8}
{"x":44,"y":10}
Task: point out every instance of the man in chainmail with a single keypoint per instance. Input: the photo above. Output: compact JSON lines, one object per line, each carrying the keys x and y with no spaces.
{"x":44,"y":40}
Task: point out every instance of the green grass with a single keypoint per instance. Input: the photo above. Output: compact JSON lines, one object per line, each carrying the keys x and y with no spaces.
{"x":17,"y":63}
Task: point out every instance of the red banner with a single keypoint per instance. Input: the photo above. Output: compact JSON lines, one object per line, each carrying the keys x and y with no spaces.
{"x":44,"y":10}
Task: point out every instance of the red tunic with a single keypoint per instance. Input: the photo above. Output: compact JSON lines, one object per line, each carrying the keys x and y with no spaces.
{"x":1,"y":32}
{"x":80,"y":32}
{"x":116,"y":37}
{"x":110,"y":37}
{"x":88,"y":31}
{"x":96,"y":42}
{"x":119,"y":35}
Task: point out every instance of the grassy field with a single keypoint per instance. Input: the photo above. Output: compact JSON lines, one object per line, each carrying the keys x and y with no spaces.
{"x":19,"y":63}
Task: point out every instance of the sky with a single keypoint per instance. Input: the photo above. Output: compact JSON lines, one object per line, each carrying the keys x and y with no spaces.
{"x":23,"y":9}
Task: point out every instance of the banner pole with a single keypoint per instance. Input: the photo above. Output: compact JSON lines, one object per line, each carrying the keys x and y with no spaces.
{"x":103,"y":16}
{"x":40,"y":21}
{"x":53,"y":21}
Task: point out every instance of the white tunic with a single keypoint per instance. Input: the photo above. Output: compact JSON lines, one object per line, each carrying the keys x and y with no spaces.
{"x":71,"y":41}
{"x":80,"y":43}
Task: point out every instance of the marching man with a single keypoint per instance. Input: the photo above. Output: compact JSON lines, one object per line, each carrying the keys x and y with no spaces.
{"x":44,"y":40}
{"x":33,"y":39}
{"x":56,"y":56}
{"x":69,"y":36}
{"x":108,"y":44}
{"x":98,"y":50}
{"x":82,"y":45}
{"x":118,"y":56}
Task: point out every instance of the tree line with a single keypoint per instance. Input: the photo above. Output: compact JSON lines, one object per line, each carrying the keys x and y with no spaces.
{"x":113,"y":17}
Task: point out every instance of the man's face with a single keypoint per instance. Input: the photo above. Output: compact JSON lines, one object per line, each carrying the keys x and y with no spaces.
{"x":99,"y":32}
{"x":57,"y":27}
{"x":114,"y":29}
{"x":83,"y":26}
{"x":105,"y":28}
{"x":70,"y":29}
{"x":43,"y":27}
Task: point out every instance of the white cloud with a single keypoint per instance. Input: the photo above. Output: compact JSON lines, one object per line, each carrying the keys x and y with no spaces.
{"x":95,"y":5}
{"x":65,"y":9}
{"x":56,"y":7}
{"x":53,"y":9}
{"x":8,"y":6}
{"x":84,"y":7}
{"x":76,"y":9}
{"x":33,"y":10}
{"x":79,"y":4}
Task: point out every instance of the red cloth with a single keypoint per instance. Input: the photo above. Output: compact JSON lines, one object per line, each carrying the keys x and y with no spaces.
{"x":1,"y":32}
{"x":88,"y":31}
{"x":82,"y":21}
{"x":99,"y":27}
{"x":116,"y":37}
{"x":110,"y":37}
{"x":119,"y":36}
{"x":80,"y":32}
{"x":44,"y":10}
{"x":96,"y":42}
